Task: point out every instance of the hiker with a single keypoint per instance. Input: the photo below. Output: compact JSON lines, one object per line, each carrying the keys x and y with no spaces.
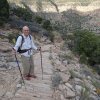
{"x":27,"y":58}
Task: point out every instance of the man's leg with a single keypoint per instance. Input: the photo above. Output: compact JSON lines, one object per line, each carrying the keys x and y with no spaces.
{"x":26,"y":65}
{"x":32,"y":67}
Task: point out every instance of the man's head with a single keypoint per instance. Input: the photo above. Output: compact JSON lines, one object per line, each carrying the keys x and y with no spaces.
{"x":25,"y":30}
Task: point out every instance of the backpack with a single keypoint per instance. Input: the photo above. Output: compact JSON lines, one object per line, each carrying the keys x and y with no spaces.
{"x":22,"y":41}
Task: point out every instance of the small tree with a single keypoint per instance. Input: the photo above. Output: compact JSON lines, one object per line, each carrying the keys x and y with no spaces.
{"x":4,"y":11}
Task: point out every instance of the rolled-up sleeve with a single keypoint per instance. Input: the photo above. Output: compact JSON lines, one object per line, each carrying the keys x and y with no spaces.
{"x":18,"y":43}
{"x":33,"y":45}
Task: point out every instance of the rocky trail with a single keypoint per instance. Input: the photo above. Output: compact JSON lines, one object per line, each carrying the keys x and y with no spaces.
{"x":63,"y":79}
{"x":35,"y":89}
{"x":38,"y":89}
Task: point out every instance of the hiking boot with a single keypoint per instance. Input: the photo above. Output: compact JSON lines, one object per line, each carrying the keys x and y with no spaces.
{"x":27,"y":77}
{"x":33,"y":76}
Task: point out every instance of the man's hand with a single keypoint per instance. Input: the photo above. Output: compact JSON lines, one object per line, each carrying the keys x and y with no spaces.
{"x":13,"y":51}
{"x":39,"y":48}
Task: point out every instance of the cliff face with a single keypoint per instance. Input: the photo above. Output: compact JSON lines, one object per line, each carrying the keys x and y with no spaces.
{"x":63,"y":5}
{"x":89,"y":11}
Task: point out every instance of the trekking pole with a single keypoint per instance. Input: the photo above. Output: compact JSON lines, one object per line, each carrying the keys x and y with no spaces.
{"x":41,"y":62}
{"x":19,"y":70}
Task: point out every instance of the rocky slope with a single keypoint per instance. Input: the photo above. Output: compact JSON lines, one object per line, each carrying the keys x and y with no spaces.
{"x":71,"y":14}
{"x":63,"y":77}
{"x":63,"y":5}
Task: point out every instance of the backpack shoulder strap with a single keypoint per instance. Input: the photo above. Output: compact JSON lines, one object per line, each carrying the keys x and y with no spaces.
{"x":30,"y":37}
{"x":22,"y":41}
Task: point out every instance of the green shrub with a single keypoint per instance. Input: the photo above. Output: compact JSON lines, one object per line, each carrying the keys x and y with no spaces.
{"x":38,"y":19}
{"x":85,"y":93}
{"x":87,"y":45}
{"x":2,"y":36}
{"x":22,"y":13}
{"x":85,"y":2}
{"x":83,"y":59}
{"x":54,"y":36}
{"x":47,"y":25}
{"x":2,"y":20}
{"x":51,"y":36}
{"x":95,"y":56}
{"x":56,"y":79}
{"x":85,"y":42}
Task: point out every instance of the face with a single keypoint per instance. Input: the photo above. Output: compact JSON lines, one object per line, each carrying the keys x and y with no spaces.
{"x":26,"y":31}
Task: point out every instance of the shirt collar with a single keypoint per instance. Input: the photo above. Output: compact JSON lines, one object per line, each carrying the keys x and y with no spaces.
{"x":25,"y":36}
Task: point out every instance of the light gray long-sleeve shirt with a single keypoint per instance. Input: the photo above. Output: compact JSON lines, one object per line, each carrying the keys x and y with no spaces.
{"x":27,"y":44}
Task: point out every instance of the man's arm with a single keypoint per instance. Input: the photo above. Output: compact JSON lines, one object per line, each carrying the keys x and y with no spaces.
{"x":18,"y":43}
{"x":33,"y":45}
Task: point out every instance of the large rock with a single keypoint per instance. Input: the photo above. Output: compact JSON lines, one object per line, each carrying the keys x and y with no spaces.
{"x":65,"y":77}
{"x":67,"y":91}
{"x":69,"y":85}
{"x":77,"y":81}
{"x":78,"y":89}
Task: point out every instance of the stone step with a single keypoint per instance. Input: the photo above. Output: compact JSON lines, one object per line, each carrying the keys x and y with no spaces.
{"x":36,"y":89}
{"x":41,"y":94}
{"x":46,"y":86}
{"x":40,"y":80}
{"x":33,"y":98}
{"x":45,"y":76}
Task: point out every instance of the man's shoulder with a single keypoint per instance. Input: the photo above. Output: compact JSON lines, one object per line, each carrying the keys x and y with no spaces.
{"x":20,"y":37}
